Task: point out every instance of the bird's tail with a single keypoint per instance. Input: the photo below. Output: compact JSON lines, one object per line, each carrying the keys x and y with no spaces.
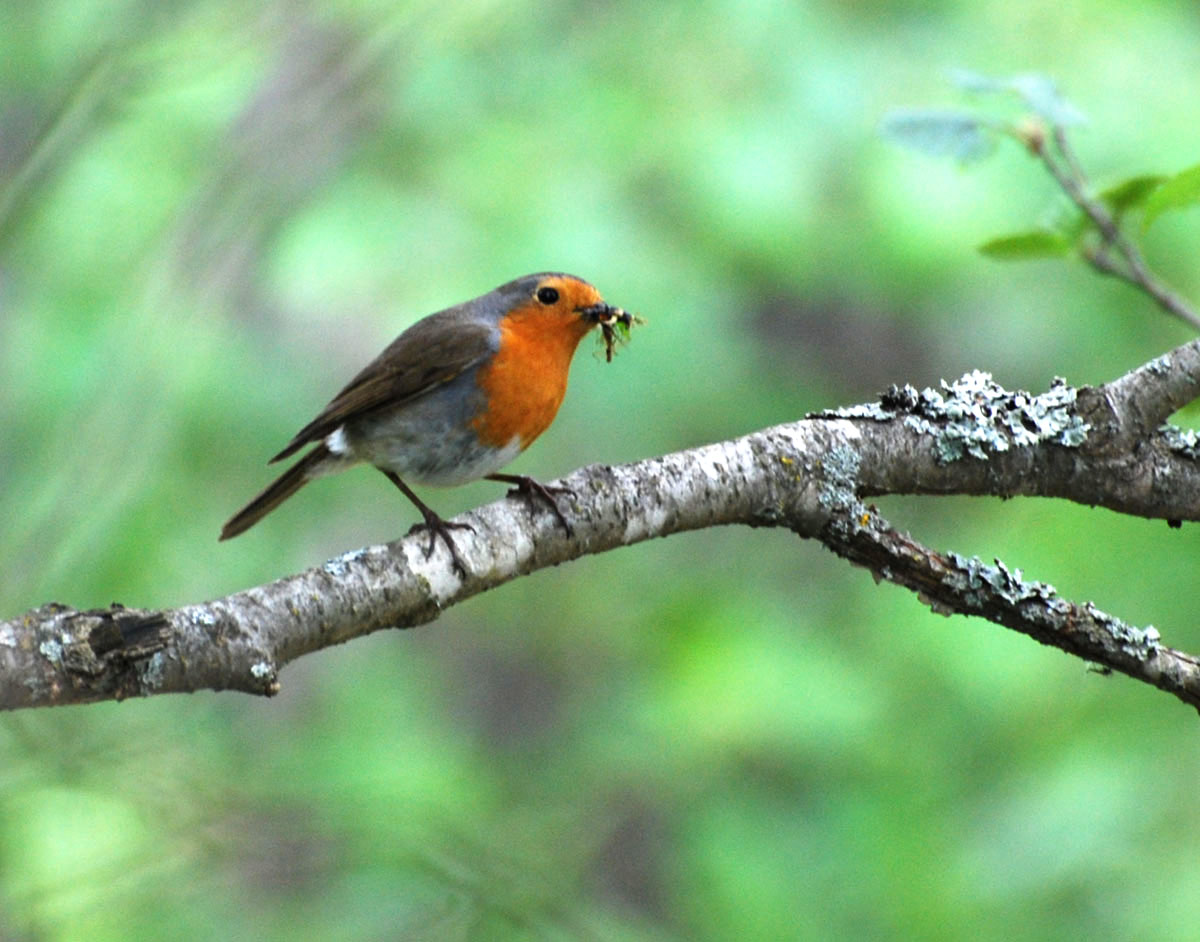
{"x":280,"y":490}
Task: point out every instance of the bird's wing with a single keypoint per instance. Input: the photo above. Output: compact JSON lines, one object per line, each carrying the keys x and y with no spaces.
{"x":431,"y":352}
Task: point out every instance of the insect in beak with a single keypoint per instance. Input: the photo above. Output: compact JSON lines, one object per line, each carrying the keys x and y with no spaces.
{"x":614,"y":323}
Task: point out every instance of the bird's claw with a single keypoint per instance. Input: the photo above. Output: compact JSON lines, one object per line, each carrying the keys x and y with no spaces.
{"x":529,"y":488}
{"x":438,"y":527}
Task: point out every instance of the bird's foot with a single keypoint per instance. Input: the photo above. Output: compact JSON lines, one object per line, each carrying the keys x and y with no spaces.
{"x":438,"y":527}
{"x":528,"y":488}
{"x":433,"y":523}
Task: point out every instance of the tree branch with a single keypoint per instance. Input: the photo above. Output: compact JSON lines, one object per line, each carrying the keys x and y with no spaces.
{"x":1071,"y":179}
{"x":1103,"y":445}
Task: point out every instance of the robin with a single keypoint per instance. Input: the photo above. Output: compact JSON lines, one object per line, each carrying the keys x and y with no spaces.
{"x":453,"y":399}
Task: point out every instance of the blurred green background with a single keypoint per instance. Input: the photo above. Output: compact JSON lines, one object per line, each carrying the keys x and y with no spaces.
{"x":213,"y":213}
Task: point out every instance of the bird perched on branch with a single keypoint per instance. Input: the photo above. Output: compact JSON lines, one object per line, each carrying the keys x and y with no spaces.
{"x":453,"y":399}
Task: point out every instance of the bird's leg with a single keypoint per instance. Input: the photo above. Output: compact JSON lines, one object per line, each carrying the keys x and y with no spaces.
{"x":528,"y":488}
{"x":433,"y":523}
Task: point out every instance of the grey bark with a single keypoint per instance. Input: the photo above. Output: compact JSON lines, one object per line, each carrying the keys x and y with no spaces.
{"x":1106,"y":445}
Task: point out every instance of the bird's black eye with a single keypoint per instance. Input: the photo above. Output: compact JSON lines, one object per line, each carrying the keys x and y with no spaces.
{"x":547,"y":295}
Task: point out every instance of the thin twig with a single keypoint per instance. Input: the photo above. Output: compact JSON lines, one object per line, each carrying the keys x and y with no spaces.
{"x":1136,"y":272}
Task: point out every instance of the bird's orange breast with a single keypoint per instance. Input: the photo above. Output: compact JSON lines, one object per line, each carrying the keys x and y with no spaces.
{"x":525,"y":382}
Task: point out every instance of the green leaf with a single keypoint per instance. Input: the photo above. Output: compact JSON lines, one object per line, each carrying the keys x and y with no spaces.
{"x":1037,"y":243}
{"x":1039,"y":93}
{"x":1042,"y":96}
{"x":1132,"y":193}
{"x":1178,"y":192}
{"x":954,"y":134}
{"x":1067,"y":219}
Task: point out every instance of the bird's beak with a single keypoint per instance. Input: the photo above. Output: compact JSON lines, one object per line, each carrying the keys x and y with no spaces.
{"x":605,"y":314}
